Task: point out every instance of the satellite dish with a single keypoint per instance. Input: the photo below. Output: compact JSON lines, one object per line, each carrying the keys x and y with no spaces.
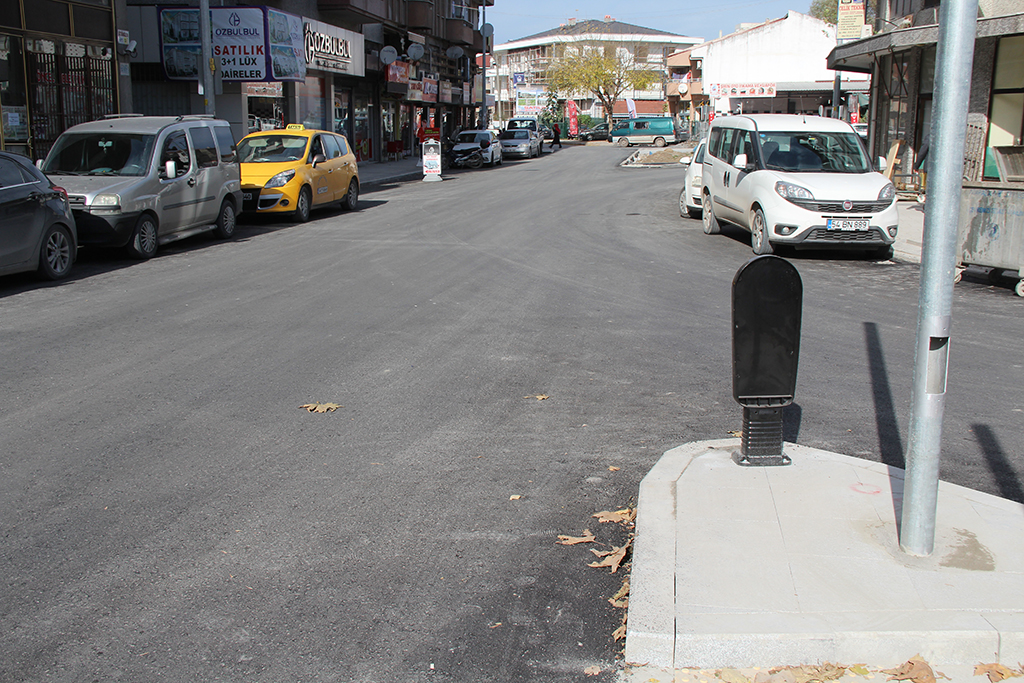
{"x":415,"y":51}
{"x":487,"y":30}
{"x":388,"y":55}
{"x":454,"y":52}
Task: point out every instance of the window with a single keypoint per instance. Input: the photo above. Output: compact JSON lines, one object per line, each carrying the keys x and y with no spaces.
{"x":176,"y":150}
{"x":206,"y":150}
{"x":226,"y":142}
{"x":316,"y":148}
{"x":331,"y":145}
{"x":342,"y":144}
{"x":1006,"y":109}
{"x":12,"y":175}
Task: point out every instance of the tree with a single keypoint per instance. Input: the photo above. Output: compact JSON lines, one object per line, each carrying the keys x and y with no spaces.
{"x":826,"y":10}
{"x":604,"y":70}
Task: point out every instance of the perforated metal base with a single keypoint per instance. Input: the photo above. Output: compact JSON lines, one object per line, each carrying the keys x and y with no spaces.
{"x":761,"y":442}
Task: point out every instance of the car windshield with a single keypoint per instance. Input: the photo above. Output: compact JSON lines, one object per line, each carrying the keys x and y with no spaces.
{"x":272,"y":148}
{"x":815,"y":152}
{"x":515,"y":135}
{"x":471,"y":136}
{"x":525,"y":125}
{"x":105,"y":153}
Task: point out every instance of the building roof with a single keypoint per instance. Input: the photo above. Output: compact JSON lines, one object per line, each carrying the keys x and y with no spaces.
{"x":599,"y":26}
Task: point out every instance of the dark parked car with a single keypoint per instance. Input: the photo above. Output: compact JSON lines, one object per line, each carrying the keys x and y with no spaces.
{"x":598,"y":132}
{"x":546,"y":132}
{"x":37,"y":230}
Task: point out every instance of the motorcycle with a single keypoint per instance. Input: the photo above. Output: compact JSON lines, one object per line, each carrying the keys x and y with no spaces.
{"x":471,"y":158}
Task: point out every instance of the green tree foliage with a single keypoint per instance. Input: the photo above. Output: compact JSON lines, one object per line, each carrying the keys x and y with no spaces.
{"x":826,"y":10}
{"x":603,"y":70}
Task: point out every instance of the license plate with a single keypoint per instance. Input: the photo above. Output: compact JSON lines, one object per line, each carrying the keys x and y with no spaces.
{"x":841,"y":224}
{"x":246,"y":196}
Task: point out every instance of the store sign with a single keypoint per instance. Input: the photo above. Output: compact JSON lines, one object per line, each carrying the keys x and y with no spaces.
{"x":745,"y":90}
{"x":850,"y":20}
{"x":329,"y":48}
{"x":415,"y":93}
{"x":445,"y":91}
{"x":430,"y":90}
{"x":530,"y":102}
{"x":398,"y":72}
{"x":249,"y":44}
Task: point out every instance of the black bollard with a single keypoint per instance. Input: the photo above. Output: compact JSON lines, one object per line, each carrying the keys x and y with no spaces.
{"x":767,"y":297}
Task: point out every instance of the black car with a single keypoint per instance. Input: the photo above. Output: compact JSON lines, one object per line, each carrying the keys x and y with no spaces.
{"x":37,"y":230}
{"x":598,"y":132}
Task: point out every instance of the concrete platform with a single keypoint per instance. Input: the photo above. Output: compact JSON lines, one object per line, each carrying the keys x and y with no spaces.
{"x":771,"y":566}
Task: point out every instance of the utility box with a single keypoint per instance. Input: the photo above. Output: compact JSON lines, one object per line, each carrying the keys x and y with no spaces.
{"x":767,"y":300}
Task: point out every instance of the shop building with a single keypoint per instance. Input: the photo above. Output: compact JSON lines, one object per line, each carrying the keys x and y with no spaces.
{"x":901,"y":56}
{"x":58,"y":68}
{"x":371,"y":70}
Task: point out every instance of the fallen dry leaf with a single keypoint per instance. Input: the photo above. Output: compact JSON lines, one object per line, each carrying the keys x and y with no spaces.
{"x":621,"y":597}
{"x":996,"y":672}
{"x":613,"y":468}
{"x":321,"y":407}
{"x":592,"y":670}
{"x":495,"y":625}
{"x":539,"y":397}
{"x":587,"y":537}
{"x":737,"y":434}
{"x":914,"y":669}
{"x":623,"y":515}
{"x":732,"y":676}
{"x":859,"y":669}
{"x":514,"y":496}
{"x":611,"y":558}
{"x":620,"y":632}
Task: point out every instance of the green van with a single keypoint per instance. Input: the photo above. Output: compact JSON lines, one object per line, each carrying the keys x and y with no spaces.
{"x":655,"y":130}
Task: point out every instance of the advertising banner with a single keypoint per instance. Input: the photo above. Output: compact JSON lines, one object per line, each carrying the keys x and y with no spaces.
{"x":243,"y":46}
{"x":415,"y":93}
{"x":850,"y":19}
{"x":746,"y":90}
{"x":398,"y":72}
{"x":530,"y":102}
{"x":445,"y":91}
{"x":330,"y":48}
{"x":573,"y":113}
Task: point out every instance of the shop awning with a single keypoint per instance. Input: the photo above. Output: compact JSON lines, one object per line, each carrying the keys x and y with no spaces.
{"x":860,"y":54}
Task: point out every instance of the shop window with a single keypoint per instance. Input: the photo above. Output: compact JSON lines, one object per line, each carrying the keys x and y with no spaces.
{"x":13,"y":96}
{"x":206,"y":150}
{"x":93,"y":23}
{"x":48,"y":16}
{"x":311,"y":102}
{"x":1006,"y":108}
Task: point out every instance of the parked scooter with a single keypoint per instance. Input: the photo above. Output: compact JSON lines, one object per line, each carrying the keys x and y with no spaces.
{"x":470,"y":158}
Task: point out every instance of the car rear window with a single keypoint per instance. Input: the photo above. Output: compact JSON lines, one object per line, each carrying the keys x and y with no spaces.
{"x":206,"y":150}
{"x":226,"y":142}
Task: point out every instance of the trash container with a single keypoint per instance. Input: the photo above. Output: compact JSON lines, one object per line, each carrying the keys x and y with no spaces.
{"x":991,"y":231}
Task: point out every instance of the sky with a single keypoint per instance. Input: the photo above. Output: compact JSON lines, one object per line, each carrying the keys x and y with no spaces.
{"x":513,"y":19}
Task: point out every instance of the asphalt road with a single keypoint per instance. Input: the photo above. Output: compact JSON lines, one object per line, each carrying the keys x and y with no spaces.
{"x":170,"y":513}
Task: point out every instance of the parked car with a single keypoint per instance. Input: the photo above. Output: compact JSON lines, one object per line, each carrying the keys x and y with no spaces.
{"x":689,"y":195}
{"x":546,"y":132}
{"x":520,"y":143}
{"x":656,"y":130}
{"x":486,"y":140}
{"x":793,"y":180}
{"x":296,"y":169}
{"x":598,"y":132}
{"x":141,"y":181}
{"x":529,"y":123}
{"x":37,"y":228}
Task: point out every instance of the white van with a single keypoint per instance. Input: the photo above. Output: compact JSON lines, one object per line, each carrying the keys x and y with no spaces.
{"x":140,"y":181}
{"x":799,"y":181}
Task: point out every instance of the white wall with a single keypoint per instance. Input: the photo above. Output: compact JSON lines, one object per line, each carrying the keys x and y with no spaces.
{"x":792,"y":49}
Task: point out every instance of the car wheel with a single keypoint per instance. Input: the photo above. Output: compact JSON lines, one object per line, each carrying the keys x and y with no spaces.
{"x":57,"y":253}
{"x":759,"y":234}
{"x":475,"y":161}
{"x":351,"y":200}
{"x":659,"y":142}
{"x":501,"y":158}
{"x":683,"y":210}
{"x":303,"y":206}
{"x":711,"y":225}
{"x":226,"y":221}
{"x":623,"y":142}
{"x":144,"y":240}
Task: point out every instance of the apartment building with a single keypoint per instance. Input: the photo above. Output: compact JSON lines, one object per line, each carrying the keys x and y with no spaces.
{"x":371,"y":69}
{"x":518,"y":77}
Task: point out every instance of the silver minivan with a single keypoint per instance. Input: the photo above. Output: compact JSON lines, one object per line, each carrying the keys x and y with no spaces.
{"x":140,"y":181}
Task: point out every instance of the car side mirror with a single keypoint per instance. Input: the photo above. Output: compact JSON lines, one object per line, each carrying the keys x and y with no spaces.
{"x":318,"y":159}
{"x":39,"y":164}
{"x":882,"y":165}
{"x":686,"y":160}
{"x":484,"y":144}
{"x":170,"y":169}
{"x":741,"y":162}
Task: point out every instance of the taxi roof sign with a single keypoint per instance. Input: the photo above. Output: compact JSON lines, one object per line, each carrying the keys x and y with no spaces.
{"x":295,"y":126}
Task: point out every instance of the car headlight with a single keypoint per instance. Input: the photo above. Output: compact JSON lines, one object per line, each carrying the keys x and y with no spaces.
{"x":791,"y":191}
{"x":695,"y":182}
{"x":887,"y":193}
{"x":108,"y":203}
{"x":281,"y":178}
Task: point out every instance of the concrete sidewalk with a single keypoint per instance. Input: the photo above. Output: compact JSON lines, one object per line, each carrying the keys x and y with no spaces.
{"x":773,"y":566}
{"x":910,"y":237}
{"x":373,"y":174}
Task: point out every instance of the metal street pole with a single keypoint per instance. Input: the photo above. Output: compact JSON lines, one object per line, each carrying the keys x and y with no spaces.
{"x":483,"y":86}
{"x":957,"y":27}
{"x":206,"y":67}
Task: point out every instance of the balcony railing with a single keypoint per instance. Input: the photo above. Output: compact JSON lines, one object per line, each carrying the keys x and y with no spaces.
{"x":420,"y":14}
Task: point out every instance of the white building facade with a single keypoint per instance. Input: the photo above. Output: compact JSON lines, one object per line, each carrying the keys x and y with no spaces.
{"x":518,"y":75}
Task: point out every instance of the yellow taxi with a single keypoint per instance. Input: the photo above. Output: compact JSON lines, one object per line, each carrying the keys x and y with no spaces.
{"x":296,"y":169}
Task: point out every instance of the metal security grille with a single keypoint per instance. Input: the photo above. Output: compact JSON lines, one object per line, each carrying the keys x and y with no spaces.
{"x":68,"y":86}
